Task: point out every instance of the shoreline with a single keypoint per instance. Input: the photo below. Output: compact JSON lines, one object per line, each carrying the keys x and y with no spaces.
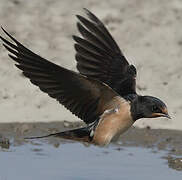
{"x":157,"y":140}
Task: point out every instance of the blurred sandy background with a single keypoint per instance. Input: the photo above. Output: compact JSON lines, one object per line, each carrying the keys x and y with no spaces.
{"x":149,"y":32}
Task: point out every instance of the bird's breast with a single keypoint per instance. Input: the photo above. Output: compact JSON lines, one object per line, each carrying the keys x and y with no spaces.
{"x":112,"y":123}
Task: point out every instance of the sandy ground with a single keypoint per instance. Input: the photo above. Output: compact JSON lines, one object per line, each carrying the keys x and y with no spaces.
{"x":148,"y":32}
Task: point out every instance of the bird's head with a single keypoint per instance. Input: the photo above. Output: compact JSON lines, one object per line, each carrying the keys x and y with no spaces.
{"x":148,"y":107}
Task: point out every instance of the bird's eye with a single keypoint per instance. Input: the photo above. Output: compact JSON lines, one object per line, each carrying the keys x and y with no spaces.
{"x":155,"y":109}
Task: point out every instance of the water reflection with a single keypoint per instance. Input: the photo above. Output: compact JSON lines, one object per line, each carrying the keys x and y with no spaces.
{"x":40,"y":160}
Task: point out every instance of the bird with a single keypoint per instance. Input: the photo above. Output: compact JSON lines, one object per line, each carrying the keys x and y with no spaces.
{"x":103,"y":91}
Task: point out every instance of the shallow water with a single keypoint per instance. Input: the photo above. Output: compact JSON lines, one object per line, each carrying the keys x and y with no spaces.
{"x":40,"y":160}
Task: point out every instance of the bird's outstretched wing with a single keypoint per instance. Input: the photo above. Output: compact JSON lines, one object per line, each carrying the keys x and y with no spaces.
{"x":99,"y":57}
{"x":83,"y":96}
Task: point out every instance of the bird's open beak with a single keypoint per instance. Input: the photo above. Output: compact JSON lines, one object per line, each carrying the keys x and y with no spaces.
{"x":155,"y":115}
{"x":164,"y":113}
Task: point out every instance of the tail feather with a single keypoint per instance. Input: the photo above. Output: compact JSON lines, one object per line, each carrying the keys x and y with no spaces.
{"x":81,"y":134}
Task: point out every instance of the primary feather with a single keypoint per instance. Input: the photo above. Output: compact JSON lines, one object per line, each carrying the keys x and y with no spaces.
{"x":98,"y":56}
{"x":83,"y":96}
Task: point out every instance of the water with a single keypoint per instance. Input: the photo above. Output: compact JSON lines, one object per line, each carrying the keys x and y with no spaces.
{"x":73,"y":161}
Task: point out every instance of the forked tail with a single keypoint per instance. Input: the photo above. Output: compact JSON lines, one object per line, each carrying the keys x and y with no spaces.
{"x":81,"y":134}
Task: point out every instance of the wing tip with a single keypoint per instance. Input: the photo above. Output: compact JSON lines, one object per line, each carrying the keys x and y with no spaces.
{"x":3,"y":29}
{"x":79,"y":17}
{"x":77,"y":39}
{"x":86,"y":10}
{"x":74,"y":37}
{"x":10,"y":36}
{"x":4,"y":32}
{"x":88,"y":13}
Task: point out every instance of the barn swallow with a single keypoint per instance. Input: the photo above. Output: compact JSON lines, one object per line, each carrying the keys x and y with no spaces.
{"x":103,"y":93}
